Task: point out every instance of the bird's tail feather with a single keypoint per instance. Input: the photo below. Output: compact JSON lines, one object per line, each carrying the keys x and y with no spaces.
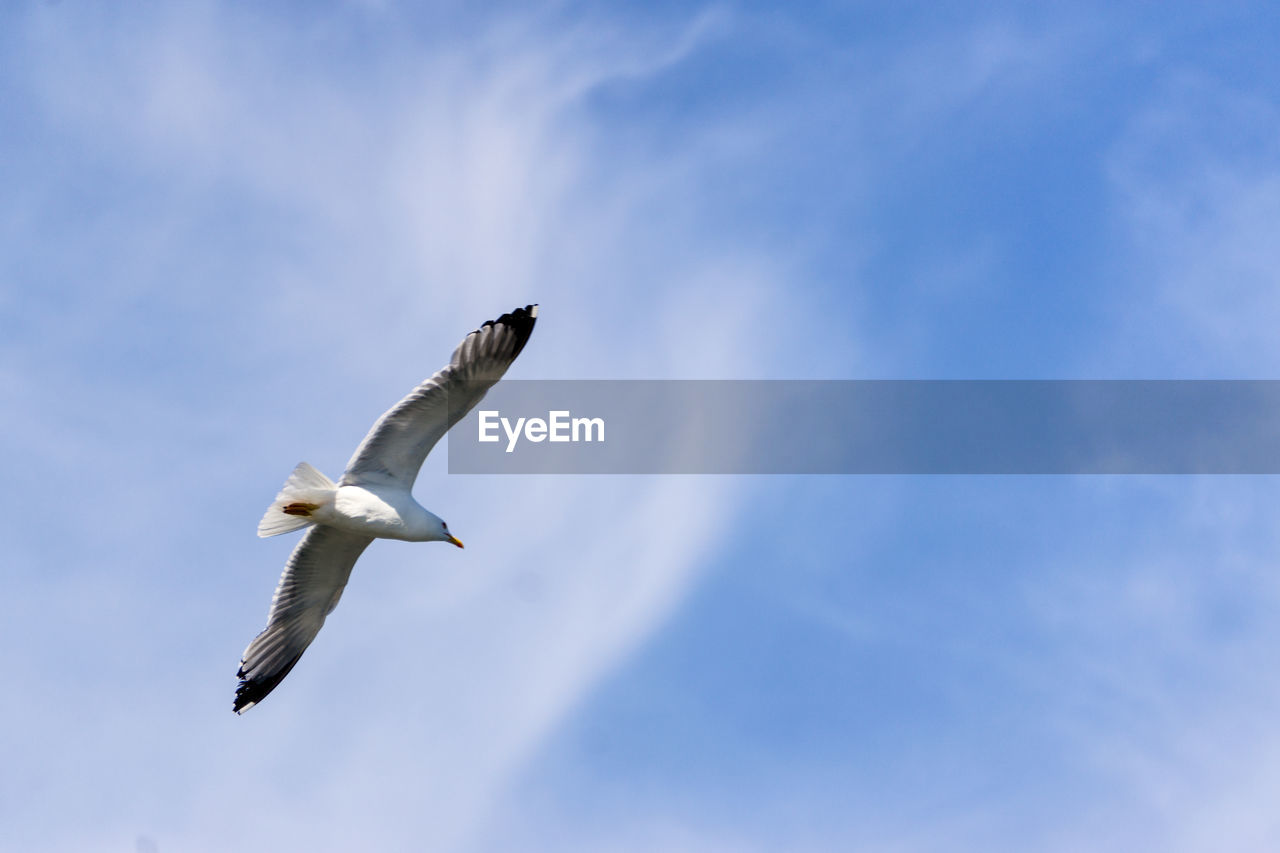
{"x":304,"y":492}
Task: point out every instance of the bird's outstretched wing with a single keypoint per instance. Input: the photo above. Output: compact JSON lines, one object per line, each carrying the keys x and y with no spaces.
{"x":394,"y":449}
{"x":309,"y":589}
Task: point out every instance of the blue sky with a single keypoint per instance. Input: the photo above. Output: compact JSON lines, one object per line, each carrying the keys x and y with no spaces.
{"x":230,"y":237}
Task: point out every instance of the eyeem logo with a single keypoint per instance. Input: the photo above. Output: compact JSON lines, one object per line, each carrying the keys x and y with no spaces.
{"x":560,"y":425}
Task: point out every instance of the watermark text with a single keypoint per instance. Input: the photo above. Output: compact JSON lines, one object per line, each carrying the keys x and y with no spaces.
{"x":559,"y":425}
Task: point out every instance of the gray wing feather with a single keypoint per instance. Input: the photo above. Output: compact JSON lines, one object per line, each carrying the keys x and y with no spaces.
{"x":309,"y":589}
{"x":395,"y":448}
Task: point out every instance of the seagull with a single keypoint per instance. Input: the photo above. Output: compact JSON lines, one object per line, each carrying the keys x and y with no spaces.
{"x":372,"y":500}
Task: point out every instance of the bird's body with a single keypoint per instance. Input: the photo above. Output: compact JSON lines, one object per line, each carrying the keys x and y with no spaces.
{"x":387,"y":512}
{"x":372,"y":500}
{"x":383,"y":511}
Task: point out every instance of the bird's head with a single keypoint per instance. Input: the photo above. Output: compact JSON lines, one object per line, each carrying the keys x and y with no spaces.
{"x":441,"y":533}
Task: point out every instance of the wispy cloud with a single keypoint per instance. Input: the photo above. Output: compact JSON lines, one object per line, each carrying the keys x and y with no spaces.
{"x":231,"y":238}
{"x":1161,"y":647}
{"x":1197,"y":185}
{"x":380,"y":201}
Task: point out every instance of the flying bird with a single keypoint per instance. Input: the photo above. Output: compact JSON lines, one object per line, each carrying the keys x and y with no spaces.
{"x":372,"y":500}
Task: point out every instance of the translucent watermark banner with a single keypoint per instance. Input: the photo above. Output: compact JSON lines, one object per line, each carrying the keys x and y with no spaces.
{"x":871,"y":427}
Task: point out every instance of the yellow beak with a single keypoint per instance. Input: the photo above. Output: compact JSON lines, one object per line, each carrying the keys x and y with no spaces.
{"x":455,"y":540}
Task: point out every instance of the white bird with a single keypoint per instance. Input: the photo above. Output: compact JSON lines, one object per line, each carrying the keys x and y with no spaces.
{"x":373,"y":500}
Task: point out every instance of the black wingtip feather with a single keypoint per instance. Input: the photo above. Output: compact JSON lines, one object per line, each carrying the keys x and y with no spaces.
{"x":520,"y":321}
{"x":252,"y":691}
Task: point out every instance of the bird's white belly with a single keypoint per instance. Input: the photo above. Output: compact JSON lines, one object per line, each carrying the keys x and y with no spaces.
{"x":385,"y":514}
